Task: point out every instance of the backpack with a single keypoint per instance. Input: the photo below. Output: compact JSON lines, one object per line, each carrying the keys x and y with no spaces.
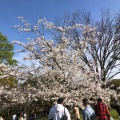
{"x":64,"y":117}
{"x":93,"y":116}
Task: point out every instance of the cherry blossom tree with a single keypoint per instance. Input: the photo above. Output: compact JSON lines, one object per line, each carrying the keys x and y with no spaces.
{"x":57,"y":66}
{"x":56,"y":69}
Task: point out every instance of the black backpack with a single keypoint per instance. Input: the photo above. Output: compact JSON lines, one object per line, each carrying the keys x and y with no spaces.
{"x":64,"y":117}
{"x":93,"y":116}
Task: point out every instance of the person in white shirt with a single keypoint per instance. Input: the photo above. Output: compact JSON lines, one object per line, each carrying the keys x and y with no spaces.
{"x":14,"y":117}
{"x":25,"y":116}
{"x":1,"y":118}
{"x":58,"y":111}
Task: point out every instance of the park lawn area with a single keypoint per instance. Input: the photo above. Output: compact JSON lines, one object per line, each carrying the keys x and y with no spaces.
{"x":113,"y":114}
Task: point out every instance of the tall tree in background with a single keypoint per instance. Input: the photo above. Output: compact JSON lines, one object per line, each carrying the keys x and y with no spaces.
{"x":102,"y":57}
{"x":6,"y":57}
{"x":6,"y":51}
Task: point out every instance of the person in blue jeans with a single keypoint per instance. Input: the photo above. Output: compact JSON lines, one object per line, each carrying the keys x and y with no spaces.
{"x":88,"y":111}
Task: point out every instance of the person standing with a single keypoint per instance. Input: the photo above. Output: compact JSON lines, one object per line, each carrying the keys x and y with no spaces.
{"x":1,"y":118}
{"x":14,"y":117}
{"x":76,"y":112}
{"x":58,"y":111}
{"x":88,"y":111}
{"x":101,"y":110}
{"x":24,"y":115}
{"x":21,"y":117}
{"x":18,"y":116}
{"x":33,"y":115}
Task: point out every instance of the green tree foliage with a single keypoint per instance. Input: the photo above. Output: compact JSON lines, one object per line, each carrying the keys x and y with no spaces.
{"x":6,"y":57}
{"x":115,"y":83}
{"x":6,"y":51}
{"x":10,"y":82}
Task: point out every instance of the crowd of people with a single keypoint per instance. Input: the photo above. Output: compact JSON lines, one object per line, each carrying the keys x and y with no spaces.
{"x":20,"y":116}
{"x":100,"y":111}
{"x":23,"y":116}
{"x":32,"y":115}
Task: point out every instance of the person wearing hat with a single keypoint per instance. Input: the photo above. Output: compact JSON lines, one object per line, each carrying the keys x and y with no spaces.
{"x":59,"y":111}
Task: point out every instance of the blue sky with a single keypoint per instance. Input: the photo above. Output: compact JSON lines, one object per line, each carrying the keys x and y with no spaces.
{"x":33,"y":9}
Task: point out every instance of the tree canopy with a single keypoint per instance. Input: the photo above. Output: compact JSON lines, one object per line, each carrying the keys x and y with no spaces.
{"x":102,"y":57}
{"x":56,"y":69}
{"x":114,"y":84}
{"x":6,"y":51}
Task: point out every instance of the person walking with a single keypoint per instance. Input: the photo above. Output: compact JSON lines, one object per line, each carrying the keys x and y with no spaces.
{"x":76,"y":112}
{"x":33,"y":115}
{"x":88,"y":111}
{"x":21,"y":117}
{"x":14,"y":117}
{"x":58,"y":112}
{"x":101,"y":110}
{"x":18,"y":116}
{"x":1,"y":118}
{"x":24,"y":115}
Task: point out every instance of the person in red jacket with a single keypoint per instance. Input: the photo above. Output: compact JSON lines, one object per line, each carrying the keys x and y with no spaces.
{"x":101,"y":110}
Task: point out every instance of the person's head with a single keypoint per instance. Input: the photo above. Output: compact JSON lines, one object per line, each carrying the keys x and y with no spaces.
{"x":75,"y":104}
{"x":99,"y":100}
{"x":85,"y":102}
{"x":18,"y":114}
{"x":60,"y":100}
{"x":33,"y":110}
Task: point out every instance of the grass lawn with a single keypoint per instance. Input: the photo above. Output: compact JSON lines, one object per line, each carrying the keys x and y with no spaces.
{"x":113,"y":114}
